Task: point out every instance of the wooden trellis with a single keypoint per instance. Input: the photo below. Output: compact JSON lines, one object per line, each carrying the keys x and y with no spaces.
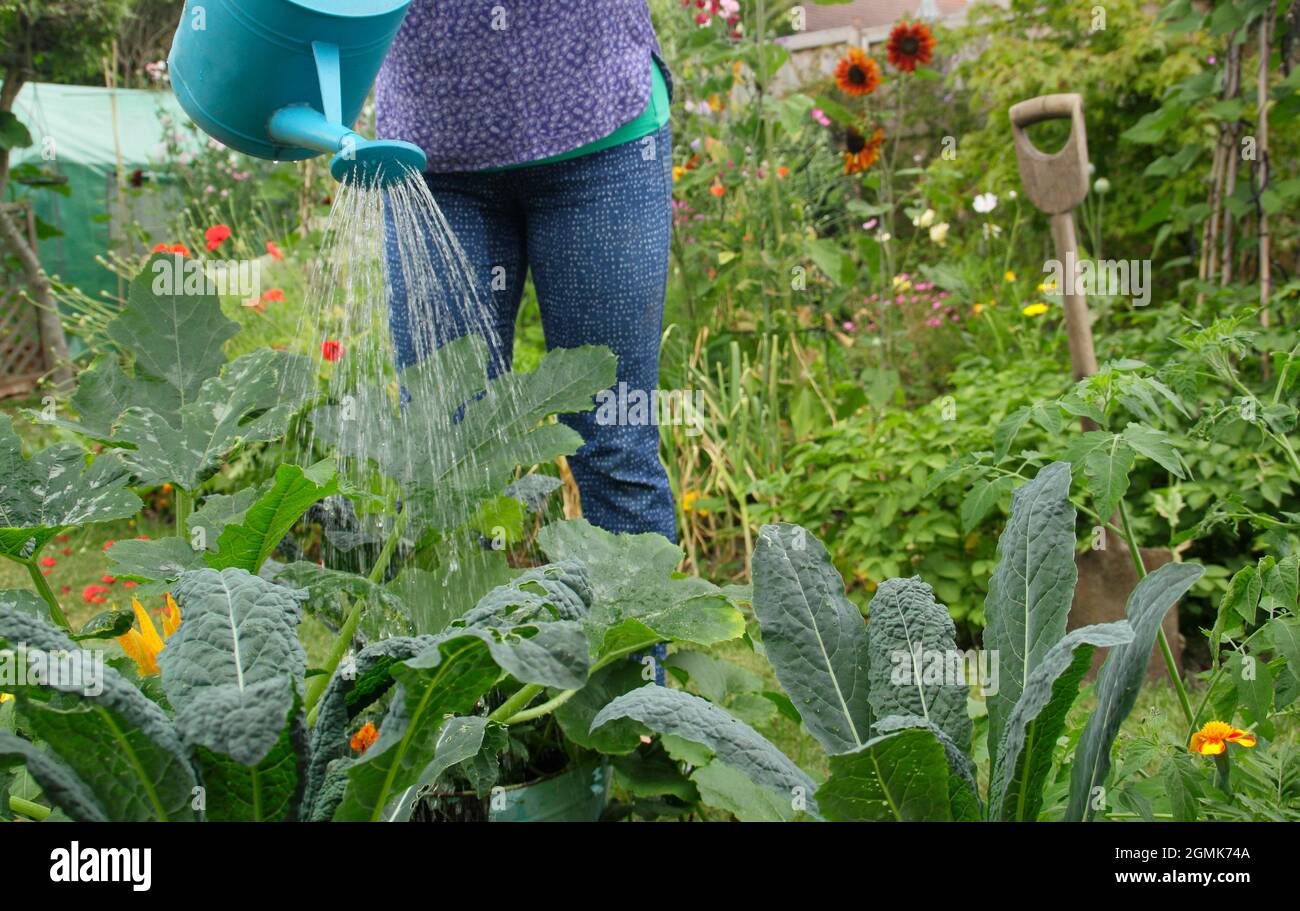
{"x":22,"y":353}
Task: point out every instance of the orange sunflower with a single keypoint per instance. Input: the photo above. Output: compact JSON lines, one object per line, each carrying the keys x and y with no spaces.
{"x":910,"y":45}
{"x":857,"y":74}
{"x":860,"y":152}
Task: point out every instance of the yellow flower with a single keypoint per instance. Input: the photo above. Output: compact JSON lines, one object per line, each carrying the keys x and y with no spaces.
{"x":688,"y":503}
{"x":902,"y":284}
{"x":678,"y":171}
{"x":144,"y":645}
{"x":1009,"y":276}
{"x":1213,"y":739}
{"x":1035,"y":310}
{"x":6,"y":697}
{"x":1047,"y":287}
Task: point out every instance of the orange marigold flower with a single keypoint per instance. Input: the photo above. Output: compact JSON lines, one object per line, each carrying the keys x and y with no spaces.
{"x":910,"y":45}
{"x":365,"y":738}
{"x":857,"y":74}
{"x":860,"y":152}
{"x":1214,"y":738}
{"x":782,"y":171}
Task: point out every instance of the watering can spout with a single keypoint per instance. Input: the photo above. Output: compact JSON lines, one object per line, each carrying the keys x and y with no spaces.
{"x":245,"y":80}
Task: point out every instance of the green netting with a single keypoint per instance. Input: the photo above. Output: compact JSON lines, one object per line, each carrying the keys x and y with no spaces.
{"x":80,"y":132}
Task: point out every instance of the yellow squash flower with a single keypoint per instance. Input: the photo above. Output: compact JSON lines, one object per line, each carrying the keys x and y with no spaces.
{"x":1035,"y":310}
{"x":144,"y":645}
{"x":1213,"y":739}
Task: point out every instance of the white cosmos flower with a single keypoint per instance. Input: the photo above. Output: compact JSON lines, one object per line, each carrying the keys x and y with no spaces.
{"x":939,"y":233}
{"x":925,"y":219}
{"x":985,"y":203}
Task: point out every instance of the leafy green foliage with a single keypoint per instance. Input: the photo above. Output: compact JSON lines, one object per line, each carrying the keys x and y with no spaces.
{"x":233,"y":673}
{"x":53,"y":490}
{"x":899,"y":777}
{"x":1120,"y":679}
{"x":1031,"y":589}
{"x":797,"y":591}
{"x":731,"y":741}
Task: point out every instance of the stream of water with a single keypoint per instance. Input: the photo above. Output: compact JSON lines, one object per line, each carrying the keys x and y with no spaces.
{"x":377,"y":238}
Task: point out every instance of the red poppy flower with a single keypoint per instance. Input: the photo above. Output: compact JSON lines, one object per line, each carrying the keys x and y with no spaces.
{"x":331,"y":350}
{"x":107,"y":544}
{"x":65,"y":589}
{"x":129,"y":584}
{"x":108,"y":579}
{"x":61,"y":538}
{"x":275,"y":251}
{"x":67,"y":551}
{"x":49,"y":561}
{"x":174,"y":248}
{"x":275,"y":296}
{"x":910,"y":45}
{"x":94,"y":594}
{"x":215,"y":235}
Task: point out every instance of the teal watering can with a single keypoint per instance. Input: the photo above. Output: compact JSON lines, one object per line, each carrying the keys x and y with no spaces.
{"x":283,"y":79}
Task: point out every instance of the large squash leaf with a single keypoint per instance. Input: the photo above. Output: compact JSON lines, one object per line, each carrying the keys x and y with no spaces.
{"x":251,"y":400}
{"x":813,"y":635}
{"x":913,"y":651}
{"x":156,"y":558}
{"x":898,"y":777}
{"x":176,"y":342}
{"x":459,"y":740}
{"x":633,"y":579}
{"x":1025,"y":754}
{"x":233,"y":675}
{"x":1031,"y":587}
{"x":677,"y":713}
{"x":109,"y":734}
{"x":1120,"y":679}
{"x":53,"y":490}
{"x":247,"y":543}
{"x":460,"y":438}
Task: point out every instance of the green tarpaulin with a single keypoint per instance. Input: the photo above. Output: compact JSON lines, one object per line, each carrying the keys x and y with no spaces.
{"x":81,"y":133}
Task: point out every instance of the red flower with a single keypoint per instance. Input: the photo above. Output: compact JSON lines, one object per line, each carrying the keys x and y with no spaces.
{"x":274,"y":250}
{"x":107,"y":544}
{"x":910,"y":45}
{"x":94,"y":594}
{"x":215,"y":235}
{"x":108,"y":579}
{"x":174,"y":248}
{"x":274,"y":296}
{"x":67,"y":551}
{"x":65,"y":589}
{"x":129,"y":584}
{"x":856,"y":73}
{"x":61,"y":539}
{"x":49,"y":561}
{"x":331,"y":350}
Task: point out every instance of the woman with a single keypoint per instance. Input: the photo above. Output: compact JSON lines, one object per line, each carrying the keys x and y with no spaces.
{"x":545,"y":123}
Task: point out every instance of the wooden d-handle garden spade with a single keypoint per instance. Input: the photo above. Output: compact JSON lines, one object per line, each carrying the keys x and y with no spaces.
{"x":1056,"y":184}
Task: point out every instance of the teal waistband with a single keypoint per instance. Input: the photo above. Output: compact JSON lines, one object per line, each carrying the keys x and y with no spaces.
{"x":650,"y":120}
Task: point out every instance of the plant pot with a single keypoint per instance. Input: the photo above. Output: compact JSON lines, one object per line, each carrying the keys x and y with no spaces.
{"x":576,"y":794}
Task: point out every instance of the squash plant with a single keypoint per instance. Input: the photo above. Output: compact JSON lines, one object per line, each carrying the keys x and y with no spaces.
{"x":901,"y":749}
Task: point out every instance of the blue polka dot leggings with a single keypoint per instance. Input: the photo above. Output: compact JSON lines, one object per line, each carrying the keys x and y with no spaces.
{"x":594,"y":230}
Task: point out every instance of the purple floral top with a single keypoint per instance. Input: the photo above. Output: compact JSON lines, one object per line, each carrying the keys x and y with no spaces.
{"x":488,"y":83}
